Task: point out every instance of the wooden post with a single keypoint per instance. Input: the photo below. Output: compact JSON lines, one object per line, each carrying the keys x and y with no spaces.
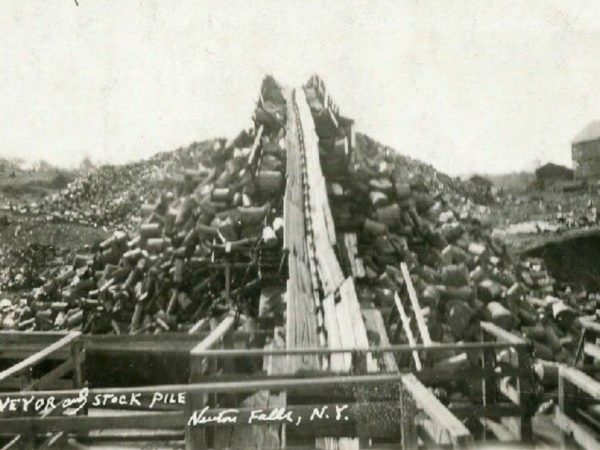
{"x":488,"y":385}
{"x":408,"y":427}
{"x":407,"y":330}
{"x":412,"y":295}
{"x":526,"y":393}
{"x":563,"y":406}
{"x":77,"y":354}
{"x":228,"y":279}
{"x":195,"y":436}
{"x":359,"y":367}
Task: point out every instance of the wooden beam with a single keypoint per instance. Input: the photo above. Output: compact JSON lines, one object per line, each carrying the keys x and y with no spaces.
{"x":501,"y":433}
{"x":49,"y":378}
{"x":581,"y":380}
{"x":201,"y":325}
{"x":356,"y":263}
{"x":440,"y":415}
{"x":592,"y":350}
{"x":412,"y":294}
{"x":215,"y":336}
{"x":39,"y":356}
{"x":194,"y":436}
{"x":255,"y":145}
{"x":407,"y":330}
{"x":435,"y":347}
{"x":350,"y":300}
{"x":501,"y":334}
{"x":590,"y":324}
{"x":14,"y":443}
{"x":374,"y":322}
{"x":353,"y":413}
{"x":83,"y":424}
{"x":581,"y":433}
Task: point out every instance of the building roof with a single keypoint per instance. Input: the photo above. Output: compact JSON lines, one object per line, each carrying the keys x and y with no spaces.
{"x":589,"y":133}
{"x":551,"y":170}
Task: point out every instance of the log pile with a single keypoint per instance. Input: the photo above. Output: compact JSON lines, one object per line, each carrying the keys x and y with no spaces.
{"x":204,"y":247}
{"x":404,"y":211}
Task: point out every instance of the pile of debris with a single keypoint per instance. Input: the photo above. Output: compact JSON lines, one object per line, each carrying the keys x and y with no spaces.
{"x":203,"y":248}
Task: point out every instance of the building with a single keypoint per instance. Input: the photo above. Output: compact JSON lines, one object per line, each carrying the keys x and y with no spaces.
{"x":551,"y":174}
{"x":585,"y":152}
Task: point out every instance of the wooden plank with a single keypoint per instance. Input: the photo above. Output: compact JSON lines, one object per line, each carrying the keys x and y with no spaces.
{"x":436,"y":411}
{"x":501,"y":433}
{"x":14,"y":443}
{"x":277,"y":366}
{"x":48,"y":379}
{"x":323,"y":227}
{"x":408,"y":426}
{"x":581,"y":380}
{"x":243,"y":435}
{"x":592,"y":350}
{"x":346,"y":332}
{"x":39,"y":356}
{"x":83,"y":424}
{"x":358,"y":329}
{"x":356,"y":263}
{"x":581,"y":433}
{"x":412,"y":294}
{"x":255,"y":146}
{"x":194,"y":436}
{"x":407,"y":330}
{"x":301,"y":316}
{"x":295,"y":385}
{"x":374,"y":322}
{"x":22,"y":346}
{"x":501,"y":334}
{"x":402,"y":348}
{"x":201,"y":325}
{"x":590,"y":324}
{"x":338,"y":362}
{"x":46,"y":337}
{"x":215,"y":335}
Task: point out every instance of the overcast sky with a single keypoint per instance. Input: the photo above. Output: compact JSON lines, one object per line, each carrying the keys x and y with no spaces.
{"x":486,"y":86}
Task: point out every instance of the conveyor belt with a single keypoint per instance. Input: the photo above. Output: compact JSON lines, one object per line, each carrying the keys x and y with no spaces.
{"x":322,"y":306}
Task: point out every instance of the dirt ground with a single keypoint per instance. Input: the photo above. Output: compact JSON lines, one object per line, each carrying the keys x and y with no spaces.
{"x":29,"y":243}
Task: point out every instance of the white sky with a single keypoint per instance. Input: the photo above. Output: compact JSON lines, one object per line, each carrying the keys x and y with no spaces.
{"x":488,"y":86}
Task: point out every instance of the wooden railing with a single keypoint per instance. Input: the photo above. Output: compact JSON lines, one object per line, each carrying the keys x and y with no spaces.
{"x":516,"y":379}
{"x":22,"y":372}
{"x":214,"y":378}
{"x":575,"y":415}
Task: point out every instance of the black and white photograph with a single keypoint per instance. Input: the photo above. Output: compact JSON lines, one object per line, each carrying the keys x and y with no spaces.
{"x":329,"y":225}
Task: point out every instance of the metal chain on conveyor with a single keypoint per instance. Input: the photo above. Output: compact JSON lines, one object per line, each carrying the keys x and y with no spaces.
{"x":310,"y":241}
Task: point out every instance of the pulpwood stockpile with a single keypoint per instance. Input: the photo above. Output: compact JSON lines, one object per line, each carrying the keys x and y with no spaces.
{"x":211,"y":236}
{"x":203,"y":248}
{"x":403,"y":211}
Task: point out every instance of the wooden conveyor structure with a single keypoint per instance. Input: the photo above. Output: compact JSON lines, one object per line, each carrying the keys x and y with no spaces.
{"x":318,"y":363}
